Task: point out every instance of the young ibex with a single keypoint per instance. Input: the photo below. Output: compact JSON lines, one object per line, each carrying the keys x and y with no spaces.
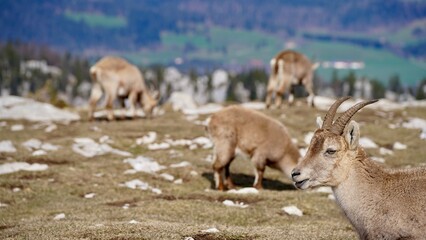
{"x":290,"y":68}
{"x":265,"y":140}
{"x":380,"y":203}
{"x":119,"y":79}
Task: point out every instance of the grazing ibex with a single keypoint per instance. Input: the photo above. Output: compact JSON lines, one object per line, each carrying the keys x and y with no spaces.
{"x":119,"y":79}
{"x":290,"y":68}
{"x":380,"y":203}
{"x":265,"y":140}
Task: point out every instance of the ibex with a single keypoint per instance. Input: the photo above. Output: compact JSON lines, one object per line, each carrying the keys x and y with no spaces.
{"x":119,"y":79}
{"x":290,"y":68}
{"x":380,"y":203}
{"x":265,"y":140}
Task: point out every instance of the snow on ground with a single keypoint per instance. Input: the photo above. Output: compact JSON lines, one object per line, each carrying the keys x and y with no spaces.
{"x":181,"y":164}
{"x":293,"y":210}
{"x":89,"y":148}
{"x":202,"y":142}
{"x":308,"y":137}
{"x":399,"y":146}
{"x":254,"y":105}
{"x":144,"y":164}
{"x":247,"y":190}
{"x":230,"y":203}
{"x":210,"y":230}
{"x":18,"y":166}
{"x":59,"y":216}
{"x":36,"y":145}
{"x":385,"y":151}
{"x":417,"y":123}
{"x":17,"y":127}
{"x":167,"y":177}
{"x":89,"y":195}
{"x":205,"y":109}
{"x":158,"y":146}
{"x":7,"y":146}
{"x":138,"y":184}
{"x":378,"y":159}
{"x":13,"y":107}
{"x":147,"y":139}
{"x":366,"y":142}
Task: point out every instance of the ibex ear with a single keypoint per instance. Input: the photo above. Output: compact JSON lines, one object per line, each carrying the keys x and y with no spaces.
{"x":319,"y":122}
{"x":351,"y":134}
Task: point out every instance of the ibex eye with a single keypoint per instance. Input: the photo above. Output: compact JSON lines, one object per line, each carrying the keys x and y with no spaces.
{"x":330,"y":151}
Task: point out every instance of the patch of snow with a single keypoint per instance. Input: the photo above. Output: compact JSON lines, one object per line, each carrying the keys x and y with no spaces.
{"x":181,"y":101}
{"x":49,"y":147}
{"x":95,"y":129}
{"x":39,"y":152}
{"x":188,"y":238}
{"x":293,"y":210}
{"x":203,"y":123}
{"x":3,"y":124}
{"x":415,"y":123}
{"x":133,"y":222}
{"x":247,"y":190}
{"x":202,"y":110}
{"x":7,"y":146}
{"x":156,"y":190}
{"x":147,"y":139}
{"x":126,"y":206}
{"x":204,"y":142}
{"x":254,"y":105}
{"x":18,"y":166}
{"x":16,"y":189}
{"x":385,"y":151}
{"x":193,"y":173}
{"x":3,"y":204}
{"x":118,"y":113}
{"x":378,"y":159}
{"x":178,"y":181}
{"x":144,"y":164}
{"x":89,"y":148}
{"x":209,"y":158}
{"x":158,"y":146}
{"x":399,"y":146}
{"x":303,"y":151}
{"x":167,"y":177}
{"x":32,"y":144}
{"x":331,"y":197}
{"x":59,"y":216}
{"x":17,"y":127}
{"x":366,"y":142}
{"x":191,"y":118}
{"x":230,"y":203}
{"x":105,"y":139}
{"x":51,"y":128}
{"x":324,"y":103}
{"x":324,"y":190}
{"x":181,"y":164}
{"x":89,"y":195}
{"x":308,"y":137}
{"x":210,"y":230}
{"x":13,"y":107}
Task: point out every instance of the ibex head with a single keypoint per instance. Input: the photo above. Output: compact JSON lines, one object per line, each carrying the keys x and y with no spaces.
{"x":332,"y":147}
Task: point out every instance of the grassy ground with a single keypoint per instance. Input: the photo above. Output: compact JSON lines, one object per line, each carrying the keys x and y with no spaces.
{"x":182,"y":210}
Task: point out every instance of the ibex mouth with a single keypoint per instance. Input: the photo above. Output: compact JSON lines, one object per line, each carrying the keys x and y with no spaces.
{"x":301,"y":183}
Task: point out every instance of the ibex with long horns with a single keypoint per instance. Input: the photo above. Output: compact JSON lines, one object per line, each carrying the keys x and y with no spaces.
{"x":290,"y":68}
{"x":119,"y":79}
{"x":380,"y":203}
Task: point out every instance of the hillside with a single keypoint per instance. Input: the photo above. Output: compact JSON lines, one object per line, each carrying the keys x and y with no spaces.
{"x":231,"y":34}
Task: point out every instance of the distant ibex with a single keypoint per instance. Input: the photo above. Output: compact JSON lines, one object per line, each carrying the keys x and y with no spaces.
{"x":264,"y":139}
{"x":290,"y":68}
{"x":119,"y":79}
{"x":380,"y":203}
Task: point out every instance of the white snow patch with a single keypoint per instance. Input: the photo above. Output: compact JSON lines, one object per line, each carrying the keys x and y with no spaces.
{"x":205,"y":109}
{"x":39,"y":152}
{"x":17,"y":166}
{"x":105,"y":139}
{"x":367,"y":143}
{"x":308,"y":137}
{"x":144,"y":164}
{"x":7,"y":146}
{"x":209,"y":158}
{"x":193,"y":173}
{"x":378,"y":159}
{"x":254,"y":105}
{"x":32,"y":144}
{"x":13,"y":107}
{"x":331,"y":197}
{"x":147,"y":139}
{"x":399,"y":146}
{"x":138,"y":184}
{"x":188,"y":238}
{"x":210,"y":230}
{"x":385,"y":151}
{"x":3,"y":124}
{"x":49,"y":147}
{"x":303,"y":151}
{"x":247,"y":190}
{"x":181,"y":164}
{"x":324,"y":190}
{"x":89,"y":195}
{"x":17,"y":127}
{"x":3,"y":204}
{"x":89,"y":148}
{"x":203,"y":142}
{"x":59,"y":216}
{"x":293,"y":210}
{"x":158,"y":146}
{"x":178,"y":181}
{"x":230,"y":203}
{"x":51,"y":128}
{"x":133,"y":222}
{"x":16,"y":189}
{"x":167,"y":177}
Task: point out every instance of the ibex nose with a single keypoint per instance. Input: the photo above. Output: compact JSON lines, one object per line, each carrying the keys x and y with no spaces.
{"x":295,"y":173}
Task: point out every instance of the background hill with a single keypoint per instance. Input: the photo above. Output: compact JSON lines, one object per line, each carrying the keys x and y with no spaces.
{"x":387,"y":36}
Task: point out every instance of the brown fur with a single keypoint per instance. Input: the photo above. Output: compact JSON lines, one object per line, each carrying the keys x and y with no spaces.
{"x":289,"y":68}
{"x":119,"y":79}
{"x":265,"y":140}
{"x":380,"y":203}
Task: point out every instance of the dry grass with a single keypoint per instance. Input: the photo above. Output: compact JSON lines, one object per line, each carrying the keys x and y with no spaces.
{"x":181,"y":210}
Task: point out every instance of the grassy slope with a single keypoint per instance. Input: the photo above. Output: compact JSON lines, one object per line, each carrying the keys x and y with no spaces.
{"x":182,"y":210}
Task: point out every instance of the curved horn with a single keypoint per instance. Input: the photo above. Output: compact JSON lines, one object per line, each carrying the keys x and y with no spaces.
{"x":340,"y":123}
{"x":329,"y":116}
